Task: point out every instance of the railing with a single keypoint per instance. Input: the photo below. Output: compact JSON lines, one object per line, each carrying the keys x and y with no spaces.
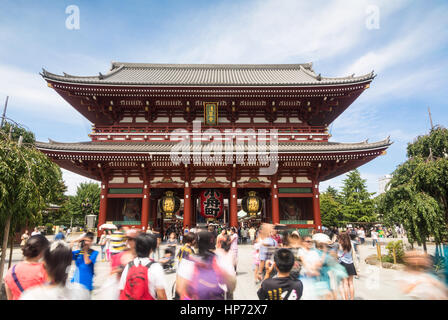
{"x":168,"y":128}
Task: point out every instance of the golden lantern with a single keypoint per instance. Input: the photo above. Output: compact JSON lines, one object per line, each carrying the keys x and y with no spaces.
{"x":252,"y":203}
{"x":169,"y":204}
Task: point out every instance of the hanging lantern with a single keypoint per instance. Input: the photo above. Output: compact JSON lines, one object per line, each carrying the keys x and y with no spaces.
{"x":251,"y":203}
{"x":212,"y":203}
{"x":169,"y":204}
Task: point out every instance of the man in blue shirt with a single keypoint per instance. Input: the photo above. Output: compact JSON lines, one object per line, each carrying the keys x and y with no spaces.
{"x":84,"y":260}
{"x":59,"y":235}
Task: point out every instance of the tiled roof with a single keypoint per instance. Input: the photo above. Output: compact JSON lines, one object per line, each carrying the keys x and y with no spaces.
{"x":167,"y":147}
{"x":208,"y":75}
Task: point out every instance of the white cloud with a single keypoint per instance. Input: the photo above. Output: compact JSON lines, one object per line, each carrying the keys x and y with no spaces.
{"x":73,"y":180}
{"x":29,"y":93}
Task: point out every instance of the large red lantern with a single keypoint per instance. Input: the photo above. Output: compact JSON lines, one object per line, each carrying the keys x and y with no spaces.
{"x":212,"y":203}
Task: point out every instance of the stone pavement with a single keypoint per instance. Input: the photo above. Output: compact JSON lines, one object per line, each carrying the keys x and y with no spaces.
{"x":373,"y":282}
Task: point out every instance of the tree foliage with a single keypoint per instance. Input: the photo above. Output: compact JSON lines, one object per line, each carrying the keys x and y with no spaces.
{"x":418,"y":189}
{"x":358,"y":205}
{"x":330,"y":208}
{"x":29,"y":181}
{"x":86,"y":191}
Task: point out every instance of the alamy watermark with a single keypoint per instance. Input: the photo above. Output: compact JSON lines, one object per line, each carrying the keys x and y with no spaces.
{"x":258,"y":148}
{"x":373,"y":17}
{"x":72,"y":22}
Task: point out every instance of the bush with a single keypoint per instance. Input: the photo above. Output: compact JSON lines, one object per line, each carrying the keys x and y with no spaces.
{"x":49,"y":228}
{"x":399,"y":251}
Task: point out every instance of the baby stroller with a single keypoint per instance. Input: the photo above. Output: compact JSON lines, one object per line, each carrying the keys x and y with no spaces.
{"x":167,"y":261}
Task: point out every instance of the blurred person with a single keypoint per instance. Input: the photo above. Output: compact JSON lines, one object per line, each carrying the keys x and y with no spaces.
{"x":345,"y":255}
{"x":417,"y":282}
{"x":362,"y":235}
{"x":172,"y":243}
{"x":30,"y":272}
{"x":252,"y":232}
{"x":310,"y":265}
{"x":283,"y":286}
{"x":221,"y":237}
{"x":57,"y":261}
{"x":202,"y":277}
{"x":117,"y":240}
{"x":374,"y":235}
{"x":143,"y":278}
{"x":244,"y":235}
{"x":102,"y":243}
{"x":187,"y":249}
{"x":234,"y":246}
{"x":225,"y":255}
{"x":85,"y":259}
{"x":167,"y":260}
{"x":59,"y":235}
{"x":35,"y":232}
{"x":24,"y":238}
{"x":293,"y":243}
{"x":256,"y":259}
{"x":267,"y":247}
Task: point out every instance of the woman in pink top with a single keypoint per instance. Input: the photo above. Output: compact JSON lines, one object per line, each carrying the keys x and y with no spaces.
{"x":30,"y":272}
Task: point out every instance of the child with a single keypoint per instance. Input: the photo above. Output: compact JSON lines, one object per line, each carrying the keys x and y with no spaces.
{"x":167,"y":260}
{"x":282,"y":287}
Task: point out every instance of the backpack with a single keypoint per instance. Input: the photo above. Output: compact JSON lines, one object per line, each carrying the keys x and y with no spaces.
{"x":206,"y":281}
{"x":136,"y":287}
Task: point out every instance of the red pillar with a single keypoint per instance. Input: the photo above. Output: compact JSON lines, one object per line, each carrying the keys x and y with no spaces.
{"x":316,"y":207}
{"x":187,"y":205}
{"x":275,"y":204}
{"x":233,"y":218}
{"x":102,"y":216}
{"x":145,"y":206}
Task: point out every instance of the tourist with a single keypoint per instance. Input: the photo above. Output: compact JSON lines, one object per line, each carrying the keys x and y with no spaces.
{"x":57,"y":260}
{"x":221,"y":237}
{"x":35,"y":232}
{"x":234,"y":246}
{"x":226,"y":257}
{"x":244,"y":234}
{"x":85,"y":259}
{"x":117,"y":240}
{"x":374,"y":235}
{"x":293,"y":243}
{"x":256,"y":259}
{"x":172,"y":243}
{"x":60,"y":235}
{"x":68,"y":232}
{"x":143,"y":278}
{"x":267,"y":247}
{"x":346,"y":259}
{"x":103,"y":241}
{"x":24,"y":238}
{"x":310,"y":265}
{"x":362,"y":235}
{"x":187,"y":249}
{"x":417,"y":282}
{"x":283,"y":286}
{"x":30,"y":272}
{"x":201,"y":276}
{"x":252,"y":232}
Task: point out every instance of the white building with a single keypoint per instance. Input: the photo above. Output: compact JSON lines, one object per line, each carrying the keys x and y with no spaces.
{"x":383,"y":181}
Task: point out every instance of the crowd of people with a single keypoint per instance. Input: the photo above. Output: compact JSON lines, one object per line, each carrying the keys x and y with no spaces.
{"x":286,"y":265}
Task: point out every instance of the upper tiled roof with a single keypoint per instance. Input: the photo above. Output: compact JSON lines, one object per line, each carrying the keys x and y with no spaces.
{"x":208,"y":75}
{"x":166,"y":147}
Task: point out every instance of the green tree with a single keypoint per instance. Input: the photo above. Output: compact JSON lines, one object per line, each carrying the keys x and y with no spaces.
{"x":330,"y":207}
{"x":357,"y":202}
{"x":29,"y":181}
{"x":418,"y":190}
{"x":86,"y":193}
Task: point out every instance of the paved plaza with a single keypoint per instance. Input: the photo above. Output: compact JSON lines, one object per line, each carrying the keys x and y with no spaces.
{"x":373,"y":283}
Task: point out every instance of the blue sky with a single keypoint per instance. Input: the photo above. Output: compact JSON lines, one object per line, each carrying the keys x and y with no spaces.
{"x":408,"y":52}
